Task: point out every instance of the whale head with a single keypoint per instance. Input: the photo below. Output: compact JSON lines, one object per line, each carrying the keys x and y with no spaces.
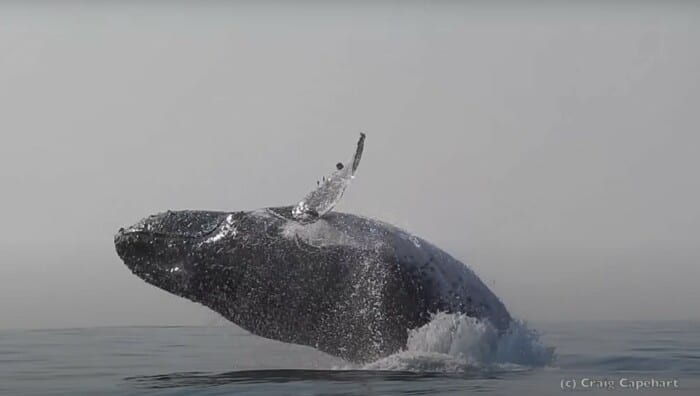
{"x":192,"y":254}
{"x":237,"y":264}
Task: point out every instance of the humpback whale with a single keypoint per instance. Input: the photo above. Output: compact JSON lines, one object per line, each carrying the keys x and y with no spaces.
{"x":347,"y":285}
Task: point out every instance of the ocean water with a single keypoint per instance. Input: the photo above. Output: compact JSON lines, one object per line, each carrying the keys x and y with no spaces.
{"x":450,"y":356}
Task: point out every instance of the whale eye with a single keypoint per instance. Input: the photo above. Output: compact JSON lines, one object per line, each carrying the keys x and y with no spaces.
{"x":339,"y":165}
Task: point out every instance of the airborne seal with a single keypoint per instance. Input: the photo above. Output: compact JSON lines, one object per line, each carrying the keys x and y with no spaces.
{"x":345,"y":284}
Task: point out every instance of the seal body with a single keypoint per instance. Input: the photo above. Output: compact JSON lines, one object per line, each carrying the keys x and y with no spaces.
{"x":347,"y":285}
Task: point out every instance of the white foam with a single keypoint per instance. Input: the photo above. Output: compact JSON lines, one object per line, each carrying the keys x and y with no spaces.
{"x":319,"y":233}
{"x":457,"y":343}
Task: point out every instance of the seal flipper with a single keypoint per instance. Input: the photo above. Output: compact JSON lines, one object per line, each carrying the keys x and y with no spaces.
{"x":322,"y":200}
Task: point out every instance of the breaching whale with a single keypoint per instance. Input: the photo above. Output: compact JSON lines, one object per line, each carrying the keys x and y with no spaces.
{"x":347,"y":285}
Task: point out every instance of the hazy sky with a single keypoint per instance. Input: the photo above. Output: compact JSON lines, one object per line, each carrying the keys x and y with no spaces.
{"x":553,"y":148}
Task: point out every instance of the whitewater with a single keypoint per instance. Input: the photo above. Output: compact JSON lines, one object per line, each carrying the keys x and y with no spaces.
{"x":453,"y":343}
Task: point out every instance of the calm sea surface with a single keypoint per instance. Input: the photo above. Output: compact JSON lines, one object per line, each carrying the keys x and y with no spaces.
{"x":595,"y":357}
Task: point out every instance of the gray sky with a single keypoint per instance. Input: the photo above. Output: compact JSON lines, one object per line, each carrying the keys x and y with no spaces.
{"x":554,"y":149}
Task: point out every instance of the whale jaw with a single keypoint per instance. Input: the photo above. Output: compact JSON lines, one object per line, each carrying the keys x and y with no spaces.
{"x":168,"y":251}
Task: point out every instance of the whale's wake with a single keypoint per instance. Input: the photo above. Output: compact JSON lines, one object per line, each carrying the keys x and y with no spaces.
{"x":453,"y":343}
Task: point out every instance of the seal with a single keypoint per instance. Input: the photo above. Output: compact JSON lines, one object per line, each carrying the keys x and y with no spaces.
{"x":347,"y":285}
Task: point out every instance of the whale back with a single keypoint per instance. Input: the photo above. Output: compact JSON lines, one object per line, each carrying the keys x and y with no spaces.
{"x":441,"y":282}
{"x":378,"y":282}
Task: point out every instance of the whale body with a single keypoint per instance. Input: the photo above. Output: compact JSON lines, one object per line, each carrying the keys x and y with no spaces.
{"x":347,"y":285}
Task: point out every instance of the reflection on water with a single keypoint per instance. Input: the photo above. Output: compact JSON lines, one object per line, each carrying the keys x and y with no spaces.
{"x":321,"y":382}
{"x":281,"y":376}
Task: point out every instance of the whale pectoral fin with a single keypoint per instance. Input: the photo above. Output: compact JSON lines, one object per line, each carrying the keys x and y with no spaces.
{"x":328,"y":193}
{"x":358,"y":153}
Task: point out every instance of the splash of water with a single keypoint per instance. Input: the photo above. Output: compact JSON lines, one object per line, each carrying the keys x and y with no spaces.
{"x":458,"y":343}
